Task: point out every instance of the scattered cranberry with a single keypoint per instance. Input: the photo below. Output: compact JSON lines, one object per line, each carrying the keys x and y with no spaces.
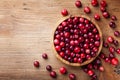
{"x":36,"y":64}
{"x":63,"y":70}
{"x":90,"y":72}
{"x":48,"y":68}
{"x":64,"y":12}
{"x":113,"y":17}
{"x":103,"y":9}
{"x":117,"y":33}
{"x":94,"y":77}
{"x":101,"y":68}
{"x":107,"y":59}
{"x":87,"y":10}
{"x":114,"y":61}
{"x":72,"y":76}
{"x":97,"y":17}
{"x":111,"y":55}
{"x":53,"y":74}
{"x":110,"y":39}
{"x":116,"y":43}
{"x":103,"y":3}
{"x":105,"y":45}
{"x":44,"y":55}
{"x":78,"y":3}
{"x":102,"y":55}
{"x":112,"y":24}
{"x":112,"y":49}
{"x":94,"y":2}
{"x":106,"y":14}
{"x":118,"y":50}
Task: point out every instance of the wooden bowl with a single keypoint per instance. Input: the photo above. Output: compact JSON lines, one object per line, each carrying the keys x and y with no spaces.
{"x":87,"y":61}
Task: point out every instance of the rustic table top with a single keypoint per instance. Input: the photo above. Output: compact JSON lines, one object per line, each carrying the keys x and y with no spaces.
{"x":26,"y":32}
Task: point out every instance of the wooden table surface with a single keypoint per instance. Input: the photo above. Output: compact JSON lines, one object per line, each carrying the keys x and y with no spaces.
{"x":26,"y":32}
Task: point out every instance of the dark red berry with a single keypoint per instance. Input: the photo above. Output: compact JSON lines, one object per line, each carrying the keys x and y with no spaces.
{"x":53,"y":74}
{"x":64,"y":12}
{"x":116,"y":43}
{"x":44,"y":55}
{"x":101,"y":68}
{"x":94,"y":2}
{"x":103,"y":3}
{"x":113,"y":17}
{"x":112,"y":49}
{"x":105,"y":44}
{"x":72,"y":76}
{"x":97,"y":17}
{"x":112,"y":24}
{"x":114,"y":61}
{"x":63,"y":70}
{"x":48,"y":68}
{"x":118,"y":50}
{"x":103,"y":9}
{"x":117,"y":33}
{"x":87,"y":10}
{"x":106,"y":14}
{"x":78,"y":3}
{"x":90,"y":72}
{"x":76,"y":49}
{"x":36,"y":64}
{"x":110,"y":39}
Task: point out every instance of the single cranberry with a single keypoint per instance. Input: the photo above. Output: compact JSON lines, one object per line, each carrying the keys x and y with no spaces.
{"x":95,"y":49}
{"x":88,"y":57}
{"x":81,"y":39}
{"x":97,"y":17}
{"x":102,"y":55}
{"x":118,"y":50}
{"x":67,"y":34}
{"x":81,"y":19}
{"x":64,"y":12}
{"x":67,"y":52}
{"x":87,"y":51}
{"x":103,"y":9}
{"x":76,"y":49}
{"x":72,"y":55}
{"x":101,"y":68}
{"x":112,"y":49}
{"x":97,"y":37}
{"x":80,"y":60}
{"x":67,"y":40}
{"x":87,"y":21}
{"x":113,"y":17}
{"x":36,"y":64}
{"x":94,"y":2}
{"x":82,"y":55}
{"x":62,"y":54}
{"x":90,"y":66}
{"x":62,"y":44}
{"x":53,"y":74}
{"x":93,"y":54}
{"x":72,"y":76}
{"x":98,"y":61}
{"x":107,"y":59}
{"x":94,"y":77}
{"x":76,"y":42}
{"x":87,"y":10}
{"x":78,"y":55}
{"x":71,"y":48}
{"x":90,"y":72}
{"x":85,"y":69}
{"x":97,"y":43}
{"x":44,"y":55}
{"x":95,"y":30}
{"x":110,"y":39}
{"x":78,"y":3}
{"x":112,"y":24}
{"x":86,"y":45}
{"x":91,"y":45}
{"x":56,"y":41}
{"x":106,"y":14}
{"x":116,"y":43}
{"x":75,"y":60}
{"x":64,"y":23}
{"x":48,"y":68}
{"x":57,"y":36}
{"x":105,"y":44}
{"x":114,"y":61}
{"x":111,"y":55}
{"x":103,"y":3}
{"x":117,"y":33}
{"x":63,"y":70}
{"x":58,"y":48}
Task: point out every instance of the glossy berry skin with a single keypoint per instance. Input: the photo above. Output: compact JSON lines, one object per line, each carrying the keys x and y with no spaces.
{"x":44,"y":55}
{"x":113,"y":18}
{"x":103,"y":9}
{"x":106,"y":14}
{"x":105,"y":45}
{"x":117,"y":33}
{"x":76,"y":49}
{"x":112,"y":49}
{"x":94,"y":2}
{"x":36,"y":64}
{"x":97,"y":17}
{"x":114,"y":61}
{"x":63,"y":70}
{"x":110,"y":39}
{"x":103,"y":3}
{"x":116,"y":43}
{"x":118,"y":51}
{"x":87,"y":10}
{"x":72,"y":76}
{"x":112,"y":24}
{"x":53,"y":74}
{"x":78,"y":3}
{"x":48,"y":68}
{"x":101,"y":68}
{"x":90,"y":72}
{"x":64,"y":12}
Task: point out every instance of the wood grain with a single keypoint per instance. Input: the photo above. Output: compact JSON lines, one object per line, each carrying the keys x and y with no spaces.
{"x":26,"y":32}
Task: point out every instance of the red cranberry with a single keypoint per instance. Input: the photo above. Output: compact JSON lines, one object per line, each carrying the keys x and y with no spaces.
{"x":86,"y":46}
{"x":56,"y":41}
{"x":95,"y":49}
{"x":102,"y":55}
{"x":58,"y":48}
{"x":112,"y":49}
{"x":94,"y":77}
{"x":76,"y":49}
{"x":48,"y":68}
{"x":76,"y":42}
{"x":101,"y":68}
{"x":53,"y":74}
{"x":82,"y":55}
{"x":97,"y":43}
{"x":87,"y":21}
{"x":62,"y":54}
{"x":112,"y":24}
{"x":97,"y":37}
{"x":72,"y":76}
{"x":87,"y":51}
{"x":75,"y":60}
{"x":87,"y":10}
{"x":107,"y":59}
{"x":90,"y":72}
{"x":103,"y":3}
{"x":95,"y":30}
{"x":64,"y":24}
{"x":117,"y":33}
{"x":62,"y":44}
{"x":64,"y":12}
{"x":63,"y":70}
{"x":111,"y":55}
{"x":106,"y":14}
{"x":44,"y":55}
{"x":93,"y":54}
{"x":79,"y":60}
{"x":88,"y":57}
{"x":67,"y":34}
{"x":113,"y":17}
{"x":114,"y":61}
{"x":94,"y":2}
{"x":78,"y":3}
{"x":105,"y":44}
{"x":57,"y":36}
{"x":90,"y":66}
{"x":97,"y":17}
{"x":81,"y":19}
{"x":103,"y":9}
{"x":116,"y":43}
{"x":95,"y":66}
{"x":110,"y":39}
{"x":118,"y":50}
{"x":36,"y":64}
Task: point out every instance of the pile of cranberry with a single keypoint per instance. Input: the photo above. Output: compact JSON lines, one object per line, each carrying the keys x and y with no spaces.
{"x":77,"y":40}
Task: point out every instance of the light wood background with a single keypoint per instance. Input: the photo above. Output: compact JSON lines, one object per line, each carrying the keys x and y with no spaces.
{"x":26,"y":32}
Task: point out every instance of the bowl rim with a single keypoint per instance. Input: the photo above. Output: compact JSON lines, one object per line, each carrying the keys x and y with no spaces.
{"x":87,"y":61}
